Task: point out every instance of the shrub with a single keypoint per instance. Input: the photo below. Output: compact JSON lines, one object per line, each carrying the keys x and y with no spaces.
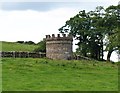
{"x":21,"y":42}
{"x":42,"y":46}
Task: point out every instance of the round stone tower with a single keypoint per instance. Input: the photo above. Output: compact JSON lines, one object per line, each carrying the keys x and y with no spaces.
{"x":59,"y":47}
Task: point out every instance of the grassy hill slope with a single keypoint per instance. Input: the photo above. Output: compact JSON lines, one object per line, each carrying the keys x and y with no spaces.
{"x":58,"y":75}
{"x":12,"y":46}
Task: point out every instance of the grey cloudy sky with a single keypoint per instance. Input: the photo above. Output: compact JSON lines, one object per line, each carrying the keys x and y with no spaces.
{"x":47,"y":6}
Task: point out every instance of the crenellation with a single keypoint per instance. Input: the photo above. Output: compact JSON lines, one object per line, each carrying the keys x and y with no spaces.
{"x":64,"y":35}
{"x":49,"y":36}
{"x":58,"y":37}
{"x":53,"y":35}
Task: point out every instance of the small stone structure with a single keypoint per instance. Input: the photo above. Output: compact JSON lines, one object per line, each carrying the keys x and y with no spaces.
{"x":59,"y":47}
{"x":16,"y":54}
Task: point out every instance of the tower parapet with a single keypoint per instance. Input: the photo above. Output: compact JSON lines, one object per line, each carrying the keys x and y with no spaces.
{"x":58,"y":37}
{"x":59,"y":47}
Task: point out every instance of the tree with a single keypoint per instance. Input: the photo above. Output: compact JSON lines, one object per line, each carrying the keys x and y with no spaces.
{"x":21,"y":42}
{"x":112,"y":25}
{"x":29,"y":42}
{"x":92,"y":28}
{"x":88,"y":29}
{"x":26,"y":42}
{"x":42,"y":46}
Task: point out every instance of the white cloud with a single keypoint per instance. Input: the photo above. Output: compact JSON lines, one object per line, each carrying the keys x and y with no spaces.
{"x":32,"y":25}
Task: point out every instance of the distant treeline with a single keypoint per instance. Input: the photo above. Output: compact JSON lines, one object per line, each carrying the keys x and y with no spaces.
{"x":26,"y":42}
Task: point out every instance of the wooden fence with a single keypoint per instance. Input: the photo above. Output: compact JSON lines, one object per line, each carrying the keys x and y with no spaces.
{"x":22,"y":54}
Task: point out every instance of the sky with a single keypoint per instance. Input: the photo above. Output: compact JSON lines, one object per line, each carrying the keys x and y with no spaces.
{"x":28,"y":20}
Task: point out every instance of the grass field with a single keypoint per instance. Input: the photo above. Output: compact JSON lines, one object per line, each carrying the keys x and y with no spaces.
{"x":55,"y":75}
{"x":11,"y":46}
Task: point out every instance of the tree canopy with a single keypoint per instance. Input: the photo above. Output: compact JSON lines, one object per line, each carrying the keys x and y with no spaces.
{"x":91,"y":28}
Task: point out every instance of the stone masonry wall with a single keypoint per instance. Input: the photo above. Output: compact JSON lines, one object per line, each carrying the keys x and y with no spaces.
{"x":22,"y":54}
{"x":59,"y":47}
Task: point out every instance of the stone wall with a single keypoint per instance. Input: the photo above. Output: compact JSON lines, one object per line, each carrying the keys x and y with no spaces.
{"x":59,"y":47}
{"x":22,"y":54}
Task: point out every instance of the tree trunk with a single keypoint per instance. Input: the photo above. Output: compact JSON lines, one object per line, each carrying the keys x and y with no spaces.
{"x":109,"y":54}
{"x":102,"y":54}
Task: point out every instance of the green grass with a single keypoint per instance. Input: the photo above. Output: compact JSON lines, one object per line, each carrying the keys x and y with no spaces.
{"x":28,"y":74}
{"x":12,"y":46}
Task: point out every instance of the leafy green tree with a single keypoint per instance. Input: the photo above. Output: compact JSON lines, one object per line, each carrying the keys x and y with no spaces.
{"x":112,"y":24}
{"x":21,"y":42}
{"x":29,"y":42}
{"x":42,"y":46}
{"x":92,"y":28}
{"x":87,"y":28}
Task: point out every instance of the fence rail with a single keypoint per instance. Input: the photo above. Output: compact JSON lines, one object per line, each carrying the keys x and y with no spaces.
{"x":22,"y":54}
